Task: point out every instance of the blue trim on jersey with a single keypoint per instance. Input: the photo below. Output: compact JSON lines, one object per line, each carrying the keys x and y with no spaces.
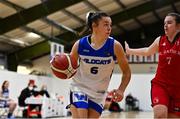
{"x":86,"y":104}
{"x":106,"y":50}
{"x":95,"y":106}
{"x":81,"y":104}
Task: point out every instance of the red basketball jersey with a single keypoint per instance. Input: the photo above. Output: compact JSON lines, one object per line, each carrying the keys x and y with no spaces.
{"x":168,"y":71}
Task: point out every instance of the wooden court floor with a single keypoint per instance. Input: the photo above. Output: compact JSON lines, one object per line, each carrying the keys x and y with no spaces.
{"x":122,"y":115}
{"x":126,"y":115}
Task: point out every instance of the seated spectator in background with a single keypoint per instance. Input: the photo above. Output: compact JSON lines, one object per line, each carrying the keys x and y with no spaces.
{"x":129,"y":99}
{"x":26,"y":93}
{"x":5,"y":101}
{"x":130,"y":102}
{"x":44,"y":91}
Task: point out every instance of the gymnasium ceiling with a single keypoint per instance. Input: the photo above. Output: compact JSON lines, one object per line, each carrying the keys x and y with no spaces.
{"x":27,"y":26}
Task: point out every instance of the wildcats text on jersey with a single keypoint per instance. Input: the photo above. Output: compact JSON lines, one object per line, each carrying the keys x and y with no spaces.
{"x":97,"y":61}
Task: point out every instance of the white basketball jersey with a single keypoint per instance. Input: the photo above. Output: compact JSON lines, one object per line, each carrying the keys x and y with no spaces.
{"x":95,"y":69}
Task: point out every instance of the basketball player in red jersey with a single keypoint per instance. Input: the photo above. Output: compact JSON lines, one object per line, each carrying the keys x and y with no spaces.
{"x":165,"y":91}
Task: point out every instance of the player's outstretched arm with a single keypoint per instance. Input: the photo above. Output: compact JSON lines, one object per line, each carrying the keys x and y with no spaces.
{"x":153,"y":48}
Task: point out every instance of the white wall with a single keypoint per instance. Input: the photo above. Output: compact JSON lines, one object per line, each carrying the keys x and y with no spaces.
{"x":62,"y":88}
{"x":20,"y":81}
{"x":139,"y":86}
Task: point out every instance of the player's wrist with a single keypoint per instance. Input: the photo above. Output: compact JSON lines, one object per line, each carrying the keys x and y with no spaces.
{"x":120,"y":91}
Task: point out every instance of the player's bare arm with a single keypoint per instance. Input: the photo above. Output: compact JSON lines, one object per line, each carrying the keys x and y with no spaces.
{"x":153,"y":48}
{"x":74,"y":50}
{"x":126,"y":73}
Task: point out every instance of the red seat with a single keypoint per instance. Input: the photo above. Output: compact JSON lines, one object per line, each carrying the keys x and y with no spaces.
{"x":31,"y":112}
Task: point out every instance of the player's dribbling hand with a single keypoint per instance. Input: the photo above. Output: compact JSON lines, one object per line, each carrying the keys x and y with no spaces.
{"x":117,"y":95}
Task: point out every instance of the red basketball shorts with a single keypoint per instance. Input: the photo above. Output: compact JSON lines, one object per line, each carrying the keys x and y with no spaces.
{"x":168,"y":96}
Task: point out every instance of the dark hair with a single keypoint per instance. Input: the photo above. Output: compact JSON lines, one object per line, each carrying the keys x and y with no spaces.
{"x":94,"y":17}
{"x":176,"y":15}
{"x":3,"y":85}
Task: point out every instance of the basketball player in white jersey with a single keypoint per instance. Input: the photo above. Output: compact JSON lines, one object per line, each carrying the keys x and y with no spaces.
{"x":97,"y":53}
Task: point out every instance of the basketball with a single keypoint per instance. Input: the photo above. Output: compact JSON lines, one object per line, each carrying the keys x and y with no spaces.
{"x":63,"y":66}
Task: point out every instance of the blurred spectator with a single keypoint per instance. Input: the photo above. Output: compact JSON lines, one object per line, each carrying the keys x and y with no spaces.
{"x":44,"y":91}
{"x":5,"y":101}
{"x":129,"y":102}
{"x":26,"y":93}
{"x":132,"y":103}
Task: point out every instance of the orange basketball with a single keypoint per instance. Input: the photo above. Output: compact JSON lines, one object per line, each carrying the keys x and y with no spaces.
{"x":63,"y":66}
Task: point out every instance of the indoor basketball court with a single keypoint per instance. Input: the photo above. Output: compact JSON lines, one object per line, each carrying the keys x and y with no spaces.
{"x":37,"y":70}
{"x":122,"y":115}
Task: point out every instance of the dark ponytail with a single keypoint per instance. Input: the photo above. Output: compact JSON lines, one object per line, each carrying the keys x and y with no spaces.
{"x":92,"y":17}
{"x":89,"y":19}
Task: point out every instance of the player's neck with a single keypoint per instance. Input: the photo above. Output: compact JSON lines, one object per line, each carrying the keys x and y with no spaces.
{"x":97,"y":41}
{"x":172,"y":36}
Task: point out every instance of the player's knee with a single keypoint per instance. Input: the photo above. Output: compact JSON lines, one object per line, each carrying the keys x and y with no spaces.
{"x":160,"y":112}
{"x":83,"y":113}
{"x":13,"y":104}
